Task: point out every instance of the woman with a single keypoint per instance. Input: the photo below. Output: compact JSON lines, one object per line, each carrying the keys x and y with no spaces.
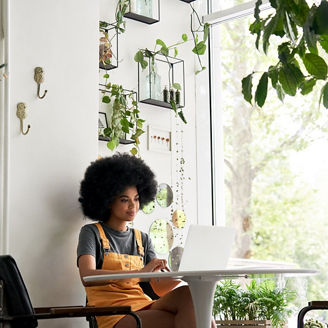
{"x":111,"y":193}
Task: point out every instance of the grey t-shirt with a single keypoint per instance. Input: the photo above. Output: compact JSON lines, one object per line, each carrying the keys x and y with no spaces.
{"x":122,"y":242}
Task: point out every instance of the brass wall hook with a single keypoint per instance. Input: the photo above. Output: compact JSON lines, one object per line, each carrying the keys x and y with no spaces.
{"x":39,"y":78}
{"x":21,"y":114}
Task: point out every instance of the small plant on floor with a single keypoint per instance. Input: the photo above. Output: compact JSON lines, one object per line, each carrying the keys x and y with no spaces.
{"x":313,"y":323}
{"x":259,"y":301}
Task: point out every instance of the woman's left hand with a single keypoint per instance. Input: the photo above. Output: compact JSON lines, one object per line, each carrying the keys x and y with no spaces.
{"x":155,"y":265}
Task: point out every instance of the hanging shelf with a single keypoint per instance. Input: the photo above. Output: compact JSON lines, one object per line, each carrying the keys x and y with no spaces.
{"x":156,"y":82}
{"x":108,"y":46}
{"x":145,"y":11}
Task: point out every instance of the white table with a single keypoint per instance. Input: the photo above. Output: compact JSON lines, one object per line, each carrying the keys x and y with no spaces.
{"x":202,"y":283}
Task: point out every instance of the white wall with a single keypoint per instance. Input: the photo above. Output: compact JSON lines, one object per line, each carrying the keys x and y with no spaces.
{"x":46,"y":166}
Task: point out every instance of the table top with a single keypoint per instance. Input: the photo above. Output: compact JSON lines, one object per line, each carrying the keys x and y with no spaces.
{"x":203,"y":275}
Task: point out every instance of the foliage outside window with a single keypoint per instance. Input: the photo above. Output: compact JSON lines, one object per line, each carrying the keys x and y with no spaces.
{"x":303,"y":33}
{"x":278,"y":214}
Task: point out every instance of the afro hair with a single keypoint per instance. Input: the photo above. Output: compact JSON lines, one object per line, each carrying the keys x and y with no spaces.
{"x":108,"y":177}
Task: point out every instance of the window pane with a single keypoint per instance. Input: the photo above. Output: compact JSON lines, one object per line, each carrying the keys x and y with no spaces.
{"x":276,"y":172}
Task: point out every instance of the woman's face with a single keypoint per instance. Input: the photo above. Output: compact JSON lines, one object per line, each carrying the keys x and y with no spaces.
{"x":126,"y":205}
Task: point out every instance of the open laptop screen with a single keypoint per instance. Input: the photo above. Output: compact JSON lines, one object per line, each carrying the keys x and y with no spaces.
{"x":207,"y":248}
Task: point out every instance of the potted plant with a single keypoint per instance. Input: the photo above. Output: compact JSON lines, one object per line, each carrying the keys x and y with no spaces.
{"x":313,"y":323}
{"x":301,"y":63}
{"x":106,"y":50}
{"x":259,"y":304}
{"x":124,"y":120}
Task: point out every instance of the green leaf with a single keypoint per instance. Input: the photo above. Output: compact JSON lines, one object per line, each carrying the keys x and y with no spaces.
{"x":173,"y":105}
{"x":298,"y":11}
{"x":175,"y":51}
{"x":290,"y":77}
{"x":176,"y":86}
{"x":206,"y":31}
{"x":309,"y":35}
{"x":320,"y":21}
{"x":200,"y":48}
{"x":289,"y":27}
{"x":161,"y":43}
{"x":324,"y":42}
{"x":106,"y":99}
{"x":139,"y":57}
{"x":112,"y":144}
{"x":301,"y":49}
{"x":315,"y":65}
{"x":144,"y":64}
{"x":200,"y":70}
{"x":307,"y":86}
{"x":284,"y":52}
{"x":324,"y":95}
{"x":106,"y":76}
{"x":182,"y":117}
{"x":165,"y":51}
{"x":268,"y":30}
{"x":262,"y":90}
{"x":257,"y":9}
{"x":247,"y":86}
{"x":134,"y":151}
{"x":280,"y":92}
{"x":184,"y":37}
{"x":273,"y":75}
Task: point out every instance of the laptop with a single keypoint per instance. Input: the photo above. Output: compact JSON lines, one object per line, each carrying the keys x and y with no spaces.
{"x":207,"y":248}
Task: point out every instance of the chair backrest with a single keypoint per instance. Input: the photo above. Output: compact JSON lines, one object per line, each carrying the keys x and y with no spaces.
{"x":16,"y":299}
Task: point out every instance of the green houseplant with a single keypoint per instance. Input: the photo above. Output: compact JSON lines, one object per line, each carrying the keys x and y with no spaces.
{"x":301,"y":63}
{"x":259,"y":301}
{"x":124,"y":117}
{"x":106,"y":53}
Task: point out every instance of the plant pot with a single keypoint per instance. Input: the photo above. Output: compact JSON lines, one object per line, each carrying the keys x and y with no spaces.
{"x":243,"y":323}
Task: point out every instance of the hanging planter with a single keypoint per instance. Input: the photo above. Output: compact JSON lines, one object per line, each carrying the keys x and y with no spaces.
{"x":121,"y":123}
{"x":161,"y":82}
{"x":108,"y":46}
{"x":145,"y":11}
{"x":188,"y":1}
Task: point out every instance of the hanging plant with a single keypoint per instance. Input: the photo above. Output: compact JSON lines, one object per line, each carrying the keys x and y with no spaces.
{"x":124,"y":120}
{"x":106,"y":54}
{"x":304,"y":41}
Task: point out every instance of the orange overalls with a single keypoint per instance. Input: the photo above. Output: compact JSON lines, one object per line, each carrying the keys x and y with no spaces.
{"x":120,"y":293}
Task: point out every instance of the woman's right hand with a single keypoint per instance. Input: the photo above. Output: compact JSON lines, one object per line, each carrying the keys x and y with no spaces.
{"x":155,"y":265}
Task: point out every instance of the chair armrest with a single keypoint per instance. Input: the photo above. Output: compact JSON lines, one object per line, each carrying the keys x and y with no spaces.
{"x":38,"y":310}
{"x":82,"y":311}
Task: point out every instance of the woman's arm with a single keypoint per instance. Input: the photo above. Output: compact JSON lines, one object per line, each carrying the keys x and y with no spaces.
{"x":162,"y":287}
{"x":87,"y":267}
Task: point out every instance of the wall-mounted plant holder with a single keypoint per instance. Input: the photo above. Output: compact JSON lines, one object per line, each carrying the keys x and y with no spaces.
{"x":157,"y":82}
{"x":106,"y":112}
{"x":108,"y":46}
{"x":145,"y":11}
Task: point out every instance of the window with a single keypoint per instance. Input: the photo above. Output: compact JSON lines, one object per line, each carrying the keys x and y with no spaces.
{"x":275,"y":160}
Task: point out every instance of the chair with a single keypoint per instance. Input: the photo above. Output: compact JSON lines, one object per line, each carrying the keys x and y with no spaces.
{"x":314,"y":305}
{"x":16,"y":309}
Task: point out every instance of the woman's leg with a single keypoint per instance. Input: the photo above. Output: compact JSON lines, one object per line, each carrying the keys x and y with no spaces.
{"x":173,"y":310}
{"x":149,"y":319}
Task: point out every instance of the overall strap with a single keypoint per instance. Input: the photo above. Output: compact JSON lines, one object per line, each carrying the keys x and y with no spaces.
{"x":104,"y":240}
{"x":139,"y":242}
